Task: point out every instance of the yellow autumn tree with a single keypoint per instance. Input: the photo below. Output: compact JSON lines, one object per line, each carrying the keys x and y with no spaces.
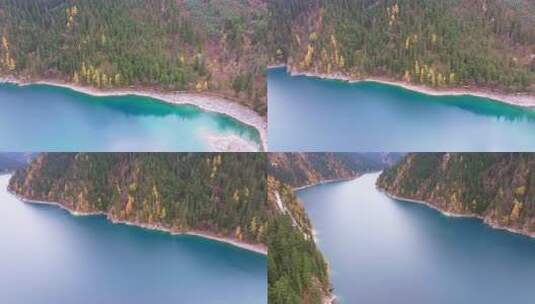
{"x":308,"y":56}
{"x":76,"y":78}
{"x":117,"y":79}
{"x":452,"y":78}
{"x":5,"y":42}
{"x":517,"y":209}
{"x":104,"y":79}
{"x":11,"y":64}
{"x":253,"y":225}
{"x":407,"y":76}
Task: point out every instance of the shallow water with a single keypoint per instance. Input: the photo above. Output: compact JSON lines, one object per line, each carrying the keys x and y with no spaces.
{"x":382,"y":250}
{"x":49,"y":256}
{"x":48,"y":118}
{"x":311,"y":114}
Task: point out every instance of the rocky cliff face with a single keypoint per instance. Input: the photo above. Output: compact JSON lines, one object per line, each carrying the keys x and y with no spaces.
{"x":497,"y":187}
{"x":220,"y":194}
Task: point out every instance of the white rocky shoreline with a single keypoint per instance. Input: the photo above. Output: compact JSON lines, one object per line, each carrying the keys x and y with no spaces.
{"x":459,"y":215}
{"x":520,"y":100}
{"x":206,"y":102}
{"x":327,"y":181}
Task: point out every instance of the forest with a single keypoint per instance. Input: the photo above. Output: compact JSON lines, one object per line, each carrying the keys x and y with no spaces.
{"x":300,"y":169}
{"x":499,"y":187}
{"x":208,"y":46}
{"x":438,"y":43}
{"x":222,"y":194}
{"x":297,"y":271}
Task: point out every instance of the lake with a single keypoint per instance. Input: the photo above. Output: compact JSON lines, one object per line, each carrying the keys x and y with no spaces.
{"x":49,"y":256}
{"x":47,"y":118}
{"x":316,"y":115}
{"x":382,"y":250}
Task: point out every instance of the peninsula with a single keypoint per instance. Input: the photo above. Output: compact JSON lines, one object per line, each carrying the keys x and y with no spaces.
{"x":160,"y":191}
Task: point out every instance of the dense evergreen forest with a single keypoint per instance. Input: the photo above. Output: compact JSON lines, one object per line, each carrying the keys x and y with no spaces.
{"x":297,"y":271}
{"x":438,"y":43}
{"x":221,"y":194}
{"x":498,"y":187}
{"x":187,"y":45}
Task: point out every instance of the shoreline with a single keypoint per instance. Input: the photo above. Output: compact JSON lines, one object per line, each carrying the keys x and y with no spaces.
{"x":331,"y":297}
{"x":229,"y":143}
{"x":327,"y":181}
{"x":525,"y":101}
{"x":330,"y":300}
{"x":256,"y":248}
{"x":205,"y":102}
{"x":459,"y":215}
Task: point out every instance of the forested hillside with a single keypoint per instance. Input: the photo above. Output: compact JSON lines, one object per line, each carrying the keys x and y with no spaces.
{"x":440,"y":43}
{"x":297,"y":271}
{"x":187,"y":45}
{"x":301,"y":169}
{"x":498,"y":187}
{"x":220,"y":194}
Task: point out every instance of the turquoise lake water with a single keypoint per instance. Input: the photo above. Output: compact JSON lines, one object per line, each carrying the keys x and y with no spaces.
{"x":49,"y":256}
{"x":311,"y":114}
{"x":47,"y":118}
{"x":382,"y":250}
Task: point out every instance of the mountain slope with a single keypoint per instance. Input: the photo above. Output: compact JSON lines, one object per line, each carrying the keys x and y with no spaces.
{"x":302,"y":169}
{"x":188,"y":45}
{"x":497,"y":187}
{"x":297,"y":271}
{"x":217,"y":194}
{"x":439,"y":43}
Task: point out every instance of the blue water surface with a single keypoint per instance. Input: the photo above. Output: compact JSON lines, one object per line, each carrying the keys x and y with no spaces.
{"x":49,"y":256}
{"x":382,"y":250}
{"x":46,"y":118}
{"x":311,"y":114}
